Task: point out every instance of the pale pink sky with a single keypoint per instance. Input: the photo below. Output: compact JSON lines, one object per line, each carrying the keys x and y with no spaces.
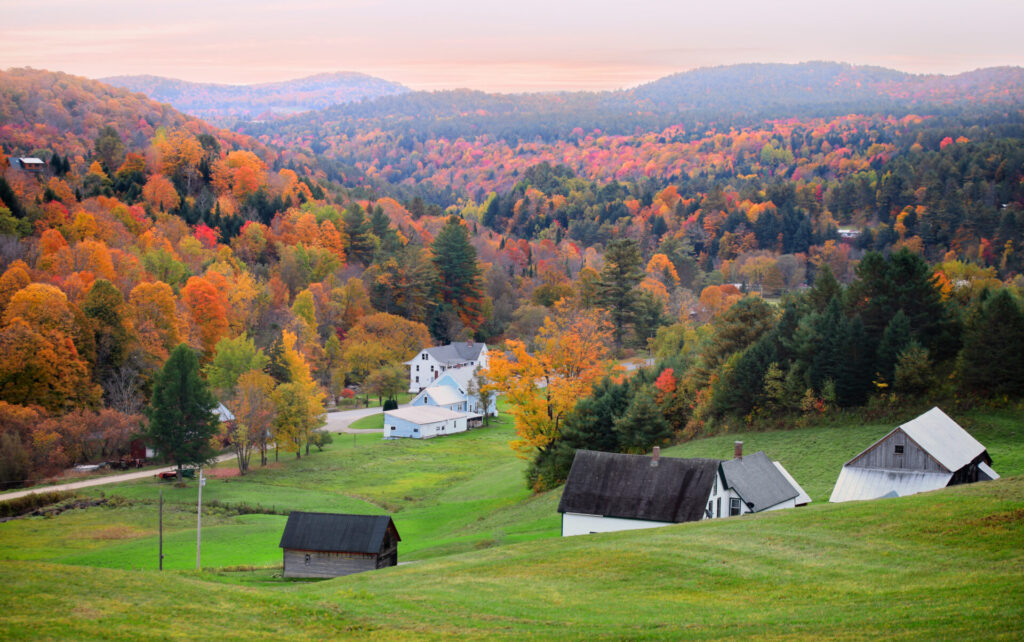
{"x":515,"y":45}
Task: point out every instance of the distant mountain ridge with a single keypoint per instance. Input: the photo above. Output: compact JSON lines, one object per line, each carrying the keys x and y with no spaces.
{"x":217,"y":102}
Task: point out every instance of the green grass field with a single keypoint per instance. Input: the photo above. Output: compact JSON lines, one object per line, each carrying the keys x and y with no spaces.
{"x":488,"y":561}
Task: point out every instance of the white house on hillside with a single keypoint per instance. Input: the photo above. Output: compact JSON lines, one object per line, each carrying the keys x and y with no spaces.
{"x":431,"y":363}
{"x":424,"y":422}
{"x":453,"y":391}
{"x":613,"y":492}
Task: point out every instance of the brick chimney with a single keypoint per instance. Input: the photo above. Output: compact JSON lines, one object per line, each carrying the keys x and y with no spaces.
{"x":737,"y":451}
{"x":655,"y":454}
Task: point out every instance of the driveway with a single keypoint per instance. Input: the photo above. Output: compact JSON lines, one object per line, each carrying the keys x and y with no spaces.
{"x":341,"y":421}
{"x":100,"y":481}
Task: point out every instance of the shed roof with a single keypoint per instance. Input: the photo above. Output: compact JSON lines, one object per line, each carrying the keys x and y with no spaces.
{"x":422,"y":415}
{"x":630,"y":487}
{"x":336,"y":532}
{"x":872,"y":483}
{"x":757,"y":481}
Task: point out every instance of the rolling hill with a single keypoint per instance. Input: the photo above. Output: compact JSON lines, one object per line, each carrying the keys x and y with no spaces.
{"x":216,"y":102}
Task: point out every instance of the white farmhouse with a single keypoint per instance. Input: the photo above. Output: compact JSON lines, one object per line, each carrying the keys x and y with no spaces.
{"x":453,"y":391}
{"x":613,"y":492}
{"x":431,"y":363}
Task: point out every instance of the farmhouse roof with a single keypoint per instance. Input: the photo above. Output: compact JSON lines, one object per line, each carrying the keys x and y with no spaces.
{"x":873,"y":483}
{"x":422,"y":415}
{"x":457,"y":352}
{"x":756,"y":479}
{"x":630,"y":487}
{"x":336,"y":532}
{"x":443,"y":395}
{"x":941,"y":437}
{"x":802,"y":497}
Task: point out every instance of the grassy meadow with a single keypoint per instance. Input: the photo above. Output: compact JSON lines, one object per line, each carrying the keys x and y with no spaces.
{"x":488,"y":562}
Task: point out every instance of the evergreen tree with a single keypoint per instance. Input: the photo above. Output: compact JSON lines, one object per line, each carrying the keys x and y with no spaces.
{"x":104,"y":307}
{"x":181,"y":417}
{"x":895,"y":339}
{"x":622,"y":272}
{"x":825,"y":289}
{"x":361,"y":243}
{"x":458,"y":272}
{"x":380,"y":224}
{"x":990,"y":362}
{"x":642,"y":425}
{"x":853,"y":382}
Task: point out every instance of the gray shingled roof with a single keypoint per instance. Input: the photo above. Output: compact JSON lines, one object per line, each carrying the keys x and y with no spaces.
{"x":335,"y":532}
{"x":629,"y":487}
{"x":756,"y":479}
{"x":457,"y":352}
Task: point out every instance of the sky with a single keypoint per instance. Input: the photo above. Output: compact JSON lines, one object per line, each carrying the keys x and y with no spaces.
{"x":509,"y":46}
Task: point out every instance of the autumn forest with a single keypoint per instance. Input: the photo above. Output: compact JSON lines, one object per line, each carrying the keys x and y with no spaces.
{"x":782,"y":241}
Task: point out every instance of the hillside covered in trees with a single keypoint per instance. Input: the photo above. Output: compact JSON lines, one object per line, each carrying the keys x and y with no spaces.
{"x":227,"y":103}
{"x":853,"y":236}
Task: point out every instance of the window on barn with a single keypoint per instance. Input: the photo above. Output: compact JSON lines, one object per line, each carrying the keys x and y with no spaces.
{"x":734,"y":506}
{"x":899,"y":449}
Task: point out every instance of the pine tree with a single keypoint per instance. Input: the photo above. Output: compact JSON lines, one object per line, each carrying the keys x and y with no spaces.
{"x":895,"y":339}
{"x":458,"y":272}
{"x":361,"y":243}
{"x":622,"y":272}
{"x":181,"y":418}
{"x":990,"y":362}
{"x":642,"y":425}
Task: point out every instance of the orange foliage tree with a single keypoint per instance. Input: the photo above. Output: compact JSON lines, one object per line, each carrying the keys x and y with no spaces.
{"x":542,"y":387}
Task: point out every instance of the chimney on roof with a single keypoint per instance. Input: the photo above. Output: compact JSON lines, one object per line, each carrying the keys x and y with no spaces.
{"x":737,"y":451}
{"x":655,"y":454}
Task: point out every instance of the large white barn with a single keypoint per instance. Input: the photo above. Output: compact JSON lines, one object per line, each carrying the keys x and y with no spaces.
{"x":927,"y":453}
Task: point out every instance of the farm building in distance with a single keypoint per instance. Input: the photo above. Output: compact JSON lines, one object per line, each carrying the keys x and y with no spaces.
{"x":926,"y":453}
{"x":431,"y":363}
{"x":331,"y":544}
{"x":612,"y":491}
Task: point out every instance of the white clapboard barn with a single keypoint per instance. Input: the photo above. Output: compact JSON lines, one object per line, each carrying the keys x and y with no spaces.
{"x":332,"y":544}
{"x":424,"y":422}
{"x":431,"y":363}
{"x":613,"y":492}
{"x":926,"y":453}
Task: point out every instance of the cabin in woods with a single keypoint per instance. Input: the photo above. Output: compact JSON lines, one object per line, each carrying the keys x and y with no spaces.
{"x":331,"y":544}
{"x":926,"y":453}
{"x":27,"y":163}
{"x":612,"y":491}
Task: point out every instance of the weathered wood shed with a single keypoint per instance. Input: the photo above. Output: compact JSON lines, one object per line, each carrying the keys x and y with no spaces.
{"x":927,"y":453}
{"x":332,"y":544}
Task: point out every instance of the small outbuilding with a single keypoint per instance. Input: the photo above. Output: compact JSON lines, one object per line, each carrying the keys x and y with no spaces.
{"x":424,"y":422}
{"x":927,"y":453}
{"x":333,"y":544}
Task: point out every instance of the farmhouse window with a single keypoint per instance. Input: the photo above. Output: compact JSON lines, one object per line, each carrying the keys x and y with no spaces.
{"x":899,"y":449}
{"x":718,"y":508}
{"x":424,"y":356}
{"x":734,"y":506}
{"x":417,"y":368}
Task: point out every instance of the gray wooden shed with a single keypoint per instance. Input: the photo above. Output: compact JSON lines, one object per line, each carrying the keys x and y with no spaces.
{"x":333,"y":544}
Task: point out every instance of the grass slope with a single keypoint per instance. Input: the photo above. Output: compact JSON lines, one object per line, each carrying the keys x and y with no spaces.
{"x":948,"y":564}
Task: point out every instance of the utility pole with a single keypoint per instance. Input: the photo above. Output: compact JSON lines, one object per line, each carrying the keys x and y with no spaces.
{"x":161,"y":529}
{"x":199,"y":517}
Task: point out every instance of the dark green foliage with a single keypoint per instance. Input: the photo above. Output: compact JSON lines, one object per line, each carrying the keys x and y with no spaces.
{"x":8,"y":198}
{"x":380,"y":225}
{"x":361,"y":242}
{"x":29,"y":503}
{"x":855,"y":367}
{"x":895,"y":339}
{"x":321,"y":438}
{"x":621,"y":273}
{"x":458,"y":272}
{"x":109,"y":149}
{"x":104,"y":306}
{"x":390,"y":404}
{"x":650,"y":315}
{"x":913,"y":374}
{"x":643,"y":425}
{"x":990,"y":362}
{"x":825,"y":289}
{"x":180,"y":413}
{"x":15,"y":461}
{"x":743,"y":389}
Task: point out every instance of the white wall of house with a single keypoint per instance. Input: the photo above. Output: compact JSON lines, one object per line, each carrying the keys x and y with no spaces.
{"x":423,"y":370}
{"x":580,"y":524}
{"x":723,"y":502}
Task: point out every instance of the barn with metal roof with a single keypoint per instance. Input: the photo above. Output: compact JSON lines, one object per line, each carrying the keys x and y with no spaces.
{"x":927,"y":453}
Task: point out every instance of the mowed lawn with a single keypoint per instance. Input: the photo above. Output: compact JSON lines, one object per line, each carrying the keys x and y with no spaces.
{"x":941,"y":565}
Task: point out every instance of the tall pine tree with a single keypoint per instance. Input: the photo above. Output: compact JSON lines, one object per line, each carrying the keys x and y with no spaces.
{"x":458,"y":272}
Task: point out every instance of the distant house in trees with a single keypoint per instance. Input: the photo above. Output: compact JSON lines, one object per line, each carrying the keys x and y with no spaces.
{"x":424,"y":422}
{"x":27,"y":163}
{"x":613,"y":492}
{"x":453,"y":391}
{"x":330,"y":544}
{"x":431,"y":363}
{"x":927,"y":453}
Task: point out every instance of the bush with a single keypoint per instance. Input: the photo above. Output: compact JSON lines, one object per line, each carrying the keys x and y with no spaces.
{"x":321,"y":438}
{"x":29,"y":503}
{"x":390,"y":404}
{"x":15,"y":462}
